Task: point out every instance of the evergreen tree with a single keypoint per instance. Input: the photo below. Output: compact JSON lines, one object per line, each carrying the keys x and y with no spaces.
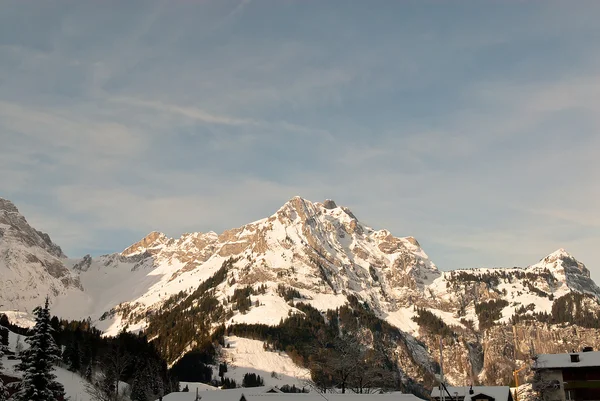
{"x":158,"y":387}
{"x":222,"y":369}
{"x":3,"y":336}
{"x":147,"y":383}
{"x":3,"y":390}
{"x":139,"y":387}
{"x":86,"y":359}
{"x":39,"y":382}
{"x":252,"y":380}
{"x":72,"y":356}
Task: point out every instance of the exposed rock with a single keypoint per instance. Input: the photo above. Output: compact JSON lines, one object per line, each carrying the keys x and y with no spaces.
{"x":84,"y":264}
{"x":31,"y":265}
{"x":150,"y":243}
{"x":21,"y":231}
{"x":413,"y":241}
{"x":329,"y":204}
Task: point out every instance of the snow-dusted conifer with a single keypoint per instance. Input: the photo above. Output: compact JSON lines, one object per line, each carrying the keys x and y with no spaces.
{"x":39,"y":382}
{"x":139,"y":388}
{"x":3,"y":390}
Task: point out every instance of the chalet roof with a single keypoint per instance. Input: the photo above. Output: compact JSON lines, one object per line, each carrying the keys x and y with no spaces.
{"x":233,"y":394}
{"x":499,"y":393}
{"x":314,"y":396}
{"x":263,"y":394}
{"x":553,"y":361}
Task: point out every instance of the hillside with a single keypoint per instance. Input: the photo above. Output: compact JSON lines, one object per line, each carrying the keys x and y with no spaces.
{"x":31,"y":265}
{"x":314,"y":256}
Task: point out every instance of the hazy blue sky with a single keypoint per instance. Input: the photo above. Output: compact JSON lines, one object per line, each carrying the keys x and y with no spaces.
{"x":472,"y":126}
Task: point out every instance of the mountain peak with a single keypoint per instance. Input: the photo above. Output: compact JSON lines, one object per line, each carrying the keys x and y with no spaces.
{"x":575,"y":274}
{"x":559,"y":254}
{"x":297,"y":206}
{"x":154,"y":239}
{"x":560,"y":258}
{"x":306,"y":210}
{"x":17,"y":227}
{"x":6,"y":205}
{"x":297,"y":201}
{"x":31,"y":265}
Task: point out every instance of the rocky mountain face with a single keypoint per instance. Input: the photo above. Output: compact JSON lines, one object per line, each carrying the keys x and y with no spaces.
{"x":31,"y":265}
{"x":319,"y":254}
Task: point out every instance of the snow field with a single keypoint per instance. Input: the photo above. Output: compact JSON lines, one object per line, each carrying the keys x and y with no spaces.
{"x":248,"y":356}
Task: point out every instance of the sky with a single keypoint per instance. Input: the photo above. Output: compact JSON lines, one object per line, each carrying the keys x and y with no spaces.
{"x":470,"y":125}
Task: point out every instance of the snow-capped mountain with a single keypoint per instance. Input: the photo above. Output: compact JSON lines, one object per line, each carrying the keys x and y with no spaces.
{"x":319,"y":248}
{"x":31,"y":265}
{"x":321,"y":253}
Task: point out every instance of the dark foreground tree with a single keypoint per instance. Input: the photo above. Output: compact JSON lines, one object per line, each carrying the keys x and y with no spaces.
{"x":111,"y":369}
{"x":337,"y":363}
{"x":3,"y":390}
{"x":37,"y":362}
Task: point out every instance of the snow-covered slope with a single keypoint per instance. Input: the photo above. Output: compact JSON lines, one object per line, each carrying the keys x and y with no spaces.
{"x":73,"y":383}
{"x":275,"y":367}
{"x":31,"y":265}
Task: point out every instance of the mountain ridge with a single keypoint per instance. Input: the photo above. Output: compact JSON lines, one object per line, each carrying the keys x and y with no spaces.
{"x":31,"y":265}
{"x":318,"y":254}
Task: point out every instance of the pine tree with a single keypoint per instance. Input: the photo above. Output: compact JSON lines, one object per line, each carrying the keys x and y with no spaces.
{"x":139,"y":391}
{"x":3,"y":390}
{"x":158,"y":387}
{"x":39,"y":382}
{"x":252,"y":380}
{"x":86,"y":359}
{"x":72,"y":355}
{"x":147,"y":383}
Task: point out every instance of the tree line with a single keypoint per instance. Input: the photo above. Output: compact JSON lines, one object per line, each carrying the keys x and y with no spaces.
{"x":104,"y":362}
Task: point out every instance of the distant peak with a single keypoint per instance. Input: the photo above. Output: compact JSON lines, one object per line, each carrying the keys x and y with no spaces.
{"x":559,"y":254}
{"x":8,"y":206}
{"x":151,"y":240}
{"x":297,"y":202}
{"x":153,"y":236}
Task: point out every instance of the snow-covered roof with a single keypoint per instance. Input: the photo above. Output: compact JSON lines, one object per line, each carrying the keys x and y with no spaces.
{"x":263,"y":394}
{"x":192,"y":386}
{"x":233,"y":394}
{"x":552,"y":361}
{"x":314,"y":396}
{"x":499,"y":393}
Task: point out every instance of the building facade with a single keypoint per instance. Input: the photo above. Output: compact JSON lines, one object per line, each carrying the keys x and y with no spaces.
{"x":568,"y":377}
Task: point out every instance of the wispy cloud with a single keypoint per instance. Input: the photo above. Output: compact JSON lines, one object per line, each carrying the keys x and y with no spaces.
{"x":194,"y":113}
{"x":436,"y":122}
{"x":204,"y":116}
